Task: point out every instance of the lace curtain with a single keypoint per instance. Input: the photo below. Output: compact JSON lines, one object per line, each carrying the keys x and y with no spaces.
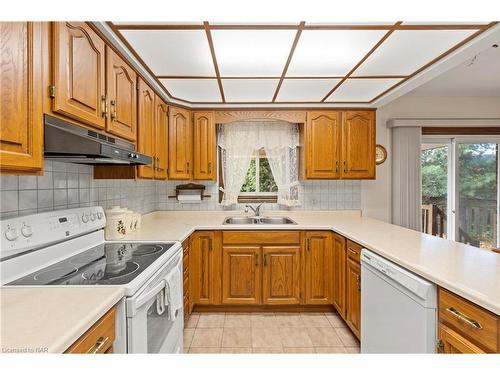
{"x":239,"y":141}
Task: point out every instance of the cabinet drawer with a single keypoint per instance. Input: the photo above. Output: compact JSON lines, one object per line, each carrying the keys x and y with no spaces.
{"x":99,"y":338}
{"x":471,"y":321}
{"x":261,"y":238}
{"x":353,"y":251}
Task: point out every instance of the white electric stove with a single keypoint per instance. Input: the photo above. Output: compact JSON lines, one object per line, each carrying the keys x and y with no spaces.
{"x":67,"y":249}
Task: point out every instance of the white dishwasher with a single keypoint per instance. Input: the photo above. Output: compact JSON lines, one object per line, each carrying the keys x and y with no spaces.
{"x":398,"y":308}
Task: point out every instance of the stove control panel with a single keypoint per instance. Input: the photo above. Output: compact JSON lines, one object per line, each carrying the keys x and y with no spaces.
{"x":29,"y":232}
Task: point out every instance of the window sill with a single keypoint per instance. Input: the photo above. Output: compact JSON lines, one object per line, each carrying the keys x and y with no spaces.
{"x":257,"y":199}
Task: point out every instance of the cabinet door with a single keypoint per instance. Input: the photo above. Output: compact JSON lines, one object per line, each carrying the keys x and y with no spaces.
{"x":204,"y":268}
{"x":453,"y":343}
{"x":358,"y":144}
{"x":78,"y":73}
{"x":122,"y":96}
{"x":21,"y":126}
{"x":281,"y":275}
{"x":323,"y":134}
{"x":161,"y":139}
{"x":180,"y":135}
{"x":241,"y":275}
{"x":204,"y":146}
{"x":146,"y":124}
{"x":353,"y":308}
{"x":339,"y":268}
{"x":318,"y":268}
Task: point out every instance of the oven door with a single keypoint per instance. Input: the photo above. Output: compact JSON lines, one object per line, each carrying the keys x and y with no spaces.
{"x":148,"y":328}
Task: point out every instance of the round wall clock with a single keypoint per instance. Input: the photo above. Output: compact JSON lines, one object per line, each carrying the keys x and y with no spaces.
{"x":380,"y":154}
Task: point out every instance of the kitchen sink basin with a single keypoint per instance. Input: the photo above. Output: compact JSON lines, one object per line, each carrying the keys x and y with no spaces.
{"x":242,"y":220}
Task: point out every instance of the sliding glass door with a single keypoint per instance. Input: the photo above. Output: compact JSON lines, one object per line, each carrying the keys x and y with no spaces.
{"x":460,"y":195}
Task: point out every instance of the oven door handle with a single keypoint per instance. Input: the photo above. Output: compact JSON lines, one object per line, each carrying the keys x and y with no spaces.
{"x":142,"y":299}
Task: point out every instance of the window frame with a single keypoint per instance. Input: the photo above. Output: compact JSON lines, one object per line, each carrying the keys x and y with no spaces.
{"x":258,"y":196}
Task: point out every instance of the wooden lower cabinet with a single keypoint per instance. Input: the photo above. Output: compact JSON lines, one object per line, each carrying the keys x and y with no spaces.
{"x":281,"y":275}
{"x":451,"y":342}
{"x":98,"y":339}
{"x":241,"y":275}
{"x":318,"y":267}
{"x":353,"y":296}
{"x":339,"y":274}
{"x":205,"y":268}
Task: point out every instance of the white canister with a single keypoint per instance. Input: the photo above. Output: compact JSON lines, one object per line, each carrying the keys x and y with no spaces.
{"x":116,"y":223}
{"x":131,"y":221}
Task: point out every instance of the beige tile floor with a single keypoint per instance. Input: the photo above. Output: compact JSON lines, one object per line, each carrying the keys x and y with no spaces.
{"x":268,"y":333}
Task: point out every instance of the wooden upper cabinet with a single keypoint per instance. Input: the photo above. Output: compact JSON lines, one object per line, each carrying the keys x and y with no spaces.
{"x":281,"y":275}
{"x":161,"y":139}
{"x":339,"y":274}
{"x":204,"y":146}
{"x":358,"y":144}
{"x":204,"y":268}
{"x":122,"y":97}
{"x":21,"y":120}
{"x":353,"y":296}
{"x":322,"y":147}
{"x":318,"y":267}
{"x":180,"y":134}
{"x":146,"y":124}
{"x":241,"y":275}
{"x":78,"y":73}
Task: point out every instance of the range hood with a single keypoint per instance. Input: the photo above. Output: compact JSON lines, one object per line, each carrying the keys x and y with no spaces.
{"x":67,"y":142}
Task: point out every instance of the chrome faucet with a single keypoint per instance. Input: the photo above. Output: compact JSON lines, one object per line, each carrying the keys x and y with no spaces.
{"x":256,"y":210}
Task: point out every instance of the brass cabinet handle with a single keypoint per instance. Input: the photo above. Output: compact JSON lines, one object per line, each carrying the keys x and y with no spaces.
{"x":353,"y":251}
{"x":358,"y":281}
{"x":256,"y":259}
{"x":464,"y":318}
{"x":98,"y":345}
{"x":187,"y":167}
{"x":336,"y":166}
{"x":440,"y":346}
{"x":209,"y":167}
{"x":104,"y":106}
{"x":345,"y":166}
{"x":113,"y":109}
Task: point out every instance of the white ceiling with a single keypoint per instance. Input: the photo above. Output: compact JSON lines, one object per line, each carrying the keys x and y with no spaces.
{"x":252,"y":60}
{"x":478,"y":76}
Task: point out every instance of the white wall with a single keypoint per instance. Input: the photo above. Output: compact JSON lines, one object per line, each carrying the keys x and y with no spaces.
{"x":376,"y":195}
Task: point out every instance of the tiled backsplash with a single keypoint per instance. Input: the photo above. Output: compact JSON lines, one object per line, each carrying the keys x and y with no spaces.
{"x":67,"y":185}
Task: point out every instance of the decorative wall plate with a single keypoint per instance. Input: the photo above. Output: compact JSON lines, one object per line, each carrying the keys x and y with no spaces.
{"x":380,"y":154}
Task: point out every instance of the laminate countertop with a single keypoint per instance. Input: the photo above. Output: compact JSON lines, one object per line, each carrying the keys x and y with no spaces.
{"x":468,"y":271}
{"x":50,"y":319}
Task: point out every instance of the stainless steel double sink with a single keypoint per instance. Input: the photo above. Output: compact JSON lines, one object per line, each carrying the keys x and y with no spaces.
{"x":244,"y":220}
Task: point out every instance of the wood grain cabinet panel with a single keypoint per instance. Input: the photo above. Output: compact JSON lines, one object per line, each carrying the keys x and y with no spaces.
{"x":205,"y":146}
{"x":452,"y":342}
{"x":318,"y":267}
{"x":79,"y":73}
{"x":322,"y":148}
{"x":180,"y":134}
{"x":358,"y":145}
{"x":241,"y":275}
{"x":205,"y":270}
{"x":161,"y":139}
{"x":339,"y":274}
{"x":21,"y":108}
{"x":122,"y":96}
{"x":146,"y":124}
{"x":281,"y":275}
{"x":353,"y":297}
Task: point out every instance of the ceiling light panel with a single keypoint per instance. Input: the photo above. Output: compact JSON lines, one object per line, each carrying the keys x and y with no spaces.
{"x":249,"y":90}
{"x":406,"y":51}
{"x":194,"y":90}
{"x":252,"y":52}
{"x":331,"y":52}
{"x":361,"y":90}
{"x":305,"y":90}
{"x":173,"y":52}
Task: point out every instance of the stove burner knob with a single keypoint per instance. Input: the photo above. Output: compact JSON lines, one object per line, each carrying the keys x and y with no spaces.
{"x":27,"y":230}
{"x":85,"y":218}
{"x":11,"y":234}
{"x":99,"y":215}
{"x":92,"y":216}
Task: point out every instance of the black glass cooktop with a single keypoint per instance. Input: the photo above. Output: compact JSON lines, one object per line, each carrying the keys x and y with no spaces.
{"x":106,"y":264}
